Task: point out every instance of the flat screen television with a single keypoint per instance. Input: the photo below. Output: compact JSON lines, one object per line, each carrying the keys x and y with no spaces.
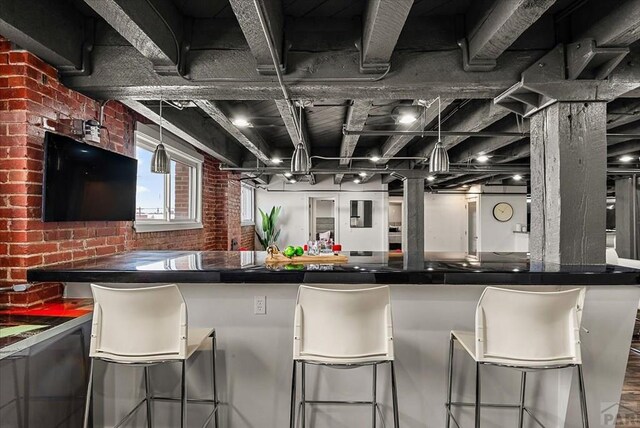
{"x":86,"y":183}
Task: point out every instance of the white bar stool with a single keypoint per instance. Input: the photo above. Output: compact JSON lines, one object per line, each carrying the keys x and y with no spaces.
{"x":342,"y":328}
{"x":145,"y":327}
{"x":526,"y":331}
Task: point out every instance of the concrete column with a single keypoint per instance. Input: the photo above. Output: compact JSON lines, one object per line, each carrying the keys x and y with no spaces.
{"x":413,"y":217}
{"x":628,"y":218}
{"x":568,"y":183}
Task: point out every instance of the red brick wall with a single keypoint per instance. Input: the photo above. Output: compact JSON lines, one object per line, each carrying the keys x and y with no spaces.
{"x":32,"y":101}
{"x":248,"y":237}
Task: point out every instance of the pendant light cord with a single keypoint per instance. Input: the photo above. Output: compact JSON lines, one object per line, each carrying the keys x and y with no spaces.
{"x":439,"y":122}
{"x":160,"y":120}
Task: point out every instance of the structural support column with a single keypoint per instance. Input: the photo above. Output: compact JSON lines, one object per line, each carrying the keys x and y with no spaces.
{"x":628,"y":218}
{"x":413,"y":219}
{"x":568,"y":183}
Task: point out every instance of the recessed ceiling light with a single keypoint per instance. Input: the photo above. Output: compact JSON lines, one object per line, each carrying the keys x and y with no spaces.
{"x":374,"y":158}
{"x":466,"y":186}
{"x":276,"y":160}
{"x":240,"y":122}
{"x":357,"y":181}
{"x":431,"y":178}
{"x":626,"y":158}
{"x":407,"y":118}
{"x":482,"y":158}
{"x":287,"y":174}
{"x":517,"y":177}
{"x":610,"y":207}
{"x":363,"y":174}
{"x":293,"y":180}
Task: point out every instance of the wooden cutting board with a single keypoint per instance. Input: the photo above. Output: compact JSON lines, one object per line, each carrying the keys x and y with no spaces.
{"x":322,"y":258}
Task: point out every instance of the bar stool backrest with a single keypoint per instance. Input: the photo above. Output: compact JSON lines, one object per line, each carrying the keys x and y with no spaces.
{"x":516,"y":327}
{"x":139,"y":324}
{"x":612,"y":256}
{"x":343,"y":325}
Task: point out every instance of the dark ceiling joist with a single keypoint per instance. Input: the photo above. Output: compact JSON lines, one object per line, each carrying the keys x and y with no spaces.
{"x":477,"y":146}
{"x":249,"y":20}
{"x":622,"y":111}
{"x":395,"y":143}
{"x":383,"y":23}
{"x":497,"y":25}
{"x":59,"y":35}
{"x":619,"y":27}
{"x":356,"y":119}
{"x":155,"y":28}
{"x":218,"y":74}
{"x":191,"y":127}
{"x":473,"y":116}
{"x":627,"y":147}
{"x":254,"y":143}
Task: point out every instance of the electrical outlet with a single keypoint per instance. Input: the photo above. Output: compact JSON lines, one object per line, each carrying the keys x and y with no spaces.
{"x":259,"y":305}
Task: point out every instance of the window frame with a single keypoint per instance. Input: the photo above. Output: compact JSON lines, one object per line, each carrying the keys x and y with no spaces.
{"x":251,"y":220}
{"x":145,"y":138}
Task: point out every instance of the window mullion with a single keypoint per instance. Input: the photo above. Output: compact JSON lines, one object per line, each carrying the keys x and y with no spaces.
{"x":167,"y":195}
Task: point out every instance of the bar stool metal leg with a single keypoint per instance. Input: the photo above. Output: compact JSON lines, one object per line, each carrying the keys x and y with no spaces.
{"x":87,"y":404}
{"x":394,"y":393}
{"x":214,"y":348}
{"x":583,"y":398}
{"x":147,"y":393}
{"x":183,"y":397}
{"x":523,"y":387}
{"x":478,"y":401}
{"x":292,"y":415}
{"x":450,"y":381}
{"x":374,"y":398}
{"x":302,"y":394}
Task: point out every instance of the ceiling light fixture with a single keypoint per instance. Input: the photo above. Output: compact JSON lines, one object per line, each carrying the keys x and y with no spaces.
{"x":276,"y":160}
{"x":240,"y":122}
{"x":439,"y":159}
{"x":363,"y":174}
{"x":431,"y":178}
{"x":288,"y":174}
{"x":374,"y":158}
{"x":160,"y":162}
{"x":300,"y":160}
{"x":293,"y":180}
{"x":357,"y":181}
{"x":625,"y":158}
{"x":482,"y":158}
{"x":517,"y":177}
{"x":407,"y":114}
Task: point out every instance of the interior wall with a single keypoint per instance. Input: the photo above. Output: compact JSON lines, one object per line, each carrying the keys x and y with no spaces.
{"x":294,"y":218}
{"x":445,"y":222}
{"x":494,"y":235}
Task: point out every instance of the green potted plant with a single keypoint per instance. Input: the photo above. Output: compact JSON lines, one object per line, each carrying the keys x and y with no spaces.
{"x":269,"y":234}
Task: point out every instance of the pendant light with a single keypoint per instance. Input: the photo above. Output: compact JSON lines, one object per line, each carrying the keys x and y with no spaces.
{"x":300,"y":162}
{"x":160,"y":163}
{"x":439,"y":159}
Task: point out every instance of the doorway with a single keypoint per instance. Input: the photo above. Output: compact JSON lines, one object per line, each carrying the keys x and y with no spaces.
{"x":472,"y":227}
{"x":322,"y":219}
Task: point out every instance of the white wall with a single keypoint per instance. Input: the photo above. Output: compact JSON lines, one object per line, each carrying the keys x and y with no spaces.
{"x":294,"y":218}
{"x":445,"y":222}
{"x":494,"y":235}
{"x":395,"y":213}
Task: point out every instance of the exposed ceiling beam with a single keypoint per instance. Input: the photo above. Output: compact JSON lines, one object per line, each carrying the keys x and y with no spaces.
{"x":189,"y":125}
{"x":395,"y":143}
{"x":624,"y":148}
{"x":121,"y":72}
{"x":622,"y":111}
{"x":54,"y":33}
{"x":383,"y":22}
{"x":497,"y":24}
{"x":473,"y":116}
{"x":356,"y":119}
{"x":254,"y":143}
{"x":249,"y":21}
{"x":619,"y":27}
{"x":476,"y":146}
{"x":153,"y":27}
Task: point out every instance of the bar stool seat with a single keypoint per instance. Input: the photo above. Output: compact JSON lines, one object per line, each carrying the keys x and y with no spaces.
{"x":526,"y":331}
{"x":146,"y":327}
{"x":342,"y":328}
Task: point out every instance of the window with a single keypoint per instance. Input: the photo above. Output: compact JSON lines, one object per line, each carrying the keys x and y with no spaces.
{"x":247,"y":198}
{"x":167,"y":201}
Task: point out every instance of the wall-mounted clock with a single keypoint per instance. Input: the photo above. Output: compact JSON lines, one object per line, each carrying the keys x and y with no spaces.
{"x":503,"y":211}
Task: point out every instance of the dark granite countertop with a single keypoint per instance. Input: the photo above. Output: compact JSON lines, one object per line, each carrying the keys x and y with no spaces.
{"x":363,"y":267}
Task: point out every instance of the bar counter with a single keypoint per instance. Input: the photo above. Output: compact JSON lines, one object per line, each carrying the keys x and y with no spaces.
{"x":363,"y":267}
{"x":430,"y":297}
